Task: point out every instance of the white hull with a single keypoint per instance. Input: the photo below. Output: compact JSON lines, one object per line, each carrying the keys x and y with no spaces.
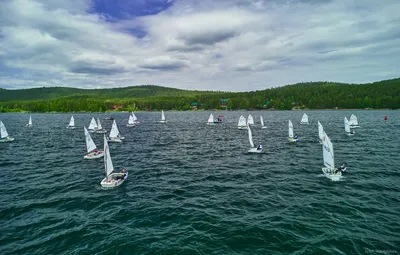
{"x":71,"y":127}
{"x":114,"y":140}
{"x":292,"y":140}
{"x":306,"y":123}
{"x":28,"y":125}
{"x":163,"y":121}
{"x":254,"y":150}
{"x":8,"y":139}
{"x":210,"y":123}
{"x":331,"y":175}
{"x":352,"y":126}
{"x":130,"y":125}
{"x":264,"y":127}
{"x":245,"y":127}
{"x":112,"y":182}
{"x":91,"y":130}
{"x":94,"y":155}
{"x":103,"y":131}
{"x":349,"y":134}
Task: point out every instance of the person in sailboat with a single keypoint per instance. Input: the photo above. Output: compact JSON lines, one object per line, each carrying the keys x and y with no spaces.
{"x":123,"y":175}
{"x":341,"y":169}
{"x":259,"y":147}
{"x":352,"y":132}
{"x":296,"y":137}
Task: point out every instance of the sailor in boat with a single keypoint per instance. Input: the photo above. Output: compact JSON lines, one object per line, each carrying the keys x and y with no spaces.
{"x":296,"y":137}
{"x":122,"y":174}
{"x":259,"y":147}
{"x":341,"y":169}
{"x":352,"y":132}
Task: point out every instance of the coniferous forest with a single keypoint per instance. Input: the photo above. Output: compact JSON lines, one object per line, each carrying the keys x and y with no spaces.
{"x":309,"y":95}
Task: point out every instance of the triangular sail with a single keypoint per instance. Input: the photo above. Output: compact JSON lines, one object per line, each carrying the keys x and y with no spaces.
{"x":114,"y":130}
{"x":290,"y":129}
{"x":250,"y":136}
{"x":242,"y":121}
{"x":99,"y":127}
{"x":346,"y":125}
{"x":89,"y":141}
{"x":304,"y":119}
{"x":250,"y":120}
{"x":107,"y":158}
{"x":320,"y":131}
{"x":211,"y":118}
{"x":92,"y":125}
{"x":162,"y":115}
{"x":353,"y":120}
{"x":131,"y":121}
{"x":134,"y":117}
{"x":30,"y":121}
{"x":3,"y":131}
{"x":262,"y":120}
{"x":71,"y":122}
{"x":327,"y":152}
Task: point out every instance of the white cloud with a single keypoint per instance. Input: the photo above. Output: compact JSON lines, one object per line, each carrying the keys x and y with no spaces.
{"x":214,"y":45}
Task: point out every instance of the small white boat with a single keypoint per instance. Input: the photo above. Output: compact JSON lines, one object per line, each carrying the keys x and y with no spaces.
{"x":29,"y":122}
{"x":163,"y":120}
{"x":353,"y":122}
{"x":327,"y":152}
{"x":210,"y":120}
{"x":347,"y":127}
{"x":131,"y":121}
{"x":114,"y":135}
{"x":71,"y":124}
{"x":135,"y":119}
{"x":111,"y":180}
{"x":99,"y":129}
{"x":91,"y":147}
{"x":250,"y":120}
{"x":304,"y":119}
{"x":242,"y":122}
{"x":262,"y":122}
{"x":292,"y":138}
{"x":4,"y":137}
{"x":93,"y":125}
{"x":320,"y":132}
{"x":253,"y":149}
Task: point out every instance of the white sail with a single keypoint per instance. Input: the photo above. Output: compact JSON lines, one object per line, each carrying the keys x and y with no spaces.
{"x":211,"y":119}
{"x":3,"y":130}
{"x":30,"y":121}
{"x":304,"y":119}
{"x":250,"y":120}
{"x":262,"y":120}
{"x":134,"y":117}
{"x":92,"y":125}
{"x":114,"y":130}
{"x":131,"y":121}
{"x":107,"y":158}
{"x":71,"y":122}
{"x":242,"y":122}
{"x":99,"y":127}
{"x":162,"y":115}
{"x":327,"y":152}
{"x":346,"y":125}
{"x":353,"y":120}
{"x":291,"y":129}
{"x":320,"y":131}
{"x":250,"y":136}
{"x":89,"y":141}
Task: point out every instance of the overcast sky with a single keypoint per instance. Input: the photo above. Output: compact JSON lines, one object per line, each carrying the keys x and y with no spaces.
{"x":236,"y":45}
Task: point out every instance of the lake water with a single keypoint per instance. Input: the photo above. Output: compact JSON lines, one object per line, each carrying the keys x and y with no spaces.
{"x":194,"y":189}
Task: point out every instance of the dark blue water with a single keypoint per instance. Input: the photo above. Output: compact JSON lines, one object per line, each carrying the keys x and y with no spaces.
{"x":194,"y":189}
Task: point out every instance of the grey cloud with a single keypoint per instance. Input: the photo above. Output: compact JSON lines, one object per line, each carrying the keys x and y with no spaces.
{"x":207,"y":37}
{"x":164,"y":66}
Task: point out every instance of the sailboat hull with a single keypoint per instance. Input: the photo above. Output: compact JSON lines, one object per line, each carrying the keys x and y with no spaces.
{"x":113,"y":180}
{"x":7,"y":139}
{"x":102,"y":131}
{"x":163,"y":121}
{"x":245,"y":127}
{"x":306,"y":123}
{"x":114,"y":140}
{"x":292,"y":139}
{"x":329,"y":173}
{"x":71,"y":127}
{"x":28,"y":125}
{"x":130,"y":125}
{"x":352,"y":126}
{"x":94,"y":155}
{"x":254,"y":150}
{"x":263,"y":127}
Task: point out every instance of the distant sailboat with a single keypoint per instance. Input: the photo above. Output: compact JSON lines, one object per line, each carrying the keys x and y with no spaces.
{"x":253,"y":149}
{"x":131,"y":121}
{"x":114,"y":135}
{"x":100,"y":129}
{"x":135,"y":119}
{"x":262,"y":122}
{"x":112,"y":179}
{"x":71,"y":124}
{"x":93,"y":125}
{"x":347,"y":127}
{"x":329,"y":160}
{"x":29,"y":122}
{"x":320,"y":132}
{"x":163,"y":120}
{"x":304,"y":119}
{"x":4,"y":134}
{"x":210,"y":120}
{"x":91,"y":147}
{"x":242,"y":122}
{"x":353,"y":122}
{"x":250,"y":120}
{"x":292,"y":138}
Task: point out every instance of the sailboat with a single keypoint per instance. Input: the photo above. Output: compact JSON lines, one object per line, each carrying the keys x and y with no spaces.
{"x":304,"y":119}
{"x":100,"y":129}
{"x":114,"y":135}
{"x":262,"y":122}
{"x":135,"y":119}
{"x":29,"y":122}
{"x":163,"y":120}
{"x":242,"y":122}
{"x":93,"y":125}
{"x":131,"y":121}
{"x":250,"y":120}
{"x":71,"y":124}
{"x":291,"y":137}
{"x":210,"y":120}
{"x":91,"y":147}
{"x":3,"y":134}
{"x":329,"y":160}
{"x":347,"y":127}
{"x":112,"y":179}
{"x":353,"y":122}
{"x":253,"y":149}
{"x":320,"y":132}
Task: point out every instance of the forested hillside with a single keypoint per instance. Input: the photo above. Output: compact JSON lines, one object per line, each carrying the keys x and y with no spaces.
{"x":312,"y":95}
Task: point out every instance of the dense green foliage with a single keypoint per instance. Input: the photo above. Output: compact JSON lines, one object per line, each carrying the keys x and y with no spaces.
{"x":312,"y":95}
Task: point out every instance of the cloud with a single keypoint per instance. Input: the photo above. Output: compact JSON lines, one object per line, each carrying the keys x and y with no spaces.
{"x":232,"y":45}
